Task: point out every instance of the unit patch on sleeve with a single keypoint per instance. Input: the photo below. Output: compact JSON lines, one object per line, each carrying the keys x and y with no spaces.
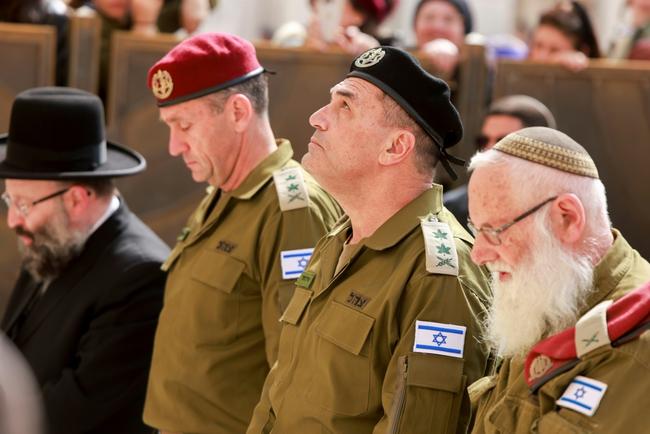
{"x":583,"y":395}
{"x":291,"y":188}
{"x":438,"y":338}
{"x":294,"y":262}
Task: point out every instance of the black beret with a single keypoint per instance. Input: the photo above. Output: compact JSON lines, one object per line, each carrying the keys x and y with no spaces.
{"x":424,"y":97}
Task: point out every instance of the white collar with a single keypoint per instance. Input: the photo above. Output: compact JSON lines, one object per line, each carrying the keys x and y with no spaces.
{"x":110,"y":209}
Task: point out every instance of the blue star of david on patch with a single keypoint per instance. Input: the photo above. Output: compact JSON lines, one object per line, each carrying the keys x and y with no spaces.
{"x":580,"y":393}
{"x":302,"y":262}
{"x":440,"y":339}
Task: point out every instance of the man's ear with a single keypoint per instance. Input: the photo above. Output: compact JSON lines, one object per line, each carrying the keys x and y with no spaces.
{"x":568,"y":218}
{"x":398,"y":149}
{"x":77,"y":201}
{"x":240,"y":112}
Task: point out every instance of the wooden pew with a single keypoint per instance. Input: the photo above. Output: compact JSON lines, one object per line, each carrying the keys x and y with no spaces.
{"x":28,"y":55}
{"x":605,"y":108}
{"x":85,"y":39}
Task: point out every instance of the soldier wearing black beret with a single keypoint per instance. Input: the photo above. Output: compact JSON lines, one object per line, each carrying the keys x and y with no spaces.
{"x":381,"y":334}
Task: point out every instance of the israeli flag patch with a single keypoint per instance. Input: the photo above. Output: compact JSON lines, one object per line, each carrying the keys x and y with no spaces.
{"x":294,"y":262}
{"x":436,"y":338}
{"x":583,"y":395}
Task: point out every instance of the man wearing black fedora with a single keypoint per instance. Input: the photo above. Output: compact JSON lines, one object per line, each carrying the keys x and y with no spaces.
{"x":85,"y":306}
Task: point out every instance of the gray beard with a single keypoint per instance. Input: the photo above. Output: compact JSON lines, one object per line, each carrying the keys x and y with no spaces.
{"x":53,"y":249}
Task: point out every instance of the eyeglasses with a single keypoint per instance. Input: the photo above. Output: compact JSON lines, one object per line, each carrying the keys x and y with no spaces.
{"x":482,"y":141}
{"x":492,"y":234}
{"x":25,"y":207}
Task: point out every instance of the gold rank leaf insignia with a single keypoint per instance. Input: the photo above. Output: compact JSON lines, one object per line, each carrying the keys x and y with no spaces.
{"x":162,"y":84}
{"x":370,"y":57}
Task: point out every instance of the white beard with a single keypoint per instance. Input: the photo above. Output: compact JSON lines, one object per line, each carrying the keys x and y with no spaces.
{"x":542,"y":297}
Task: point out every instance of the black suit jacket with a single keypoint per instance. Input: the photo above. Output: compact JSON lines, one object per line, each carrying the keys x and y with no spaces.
{"x":89,"y":338}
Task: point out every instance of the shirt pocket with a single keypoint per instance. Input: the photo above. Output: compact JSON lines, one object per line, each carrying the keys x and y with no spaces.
{"x":560,"y":423}
{"x":212,"y":304}
{"x":429,"y":395}
{"x":341,"y":378}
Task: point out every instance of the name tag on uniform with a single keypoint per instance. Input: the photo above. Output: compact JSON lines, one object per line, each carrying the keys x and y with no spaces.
{"x":438,"y":338}
{"x":583,"y":395}
{"x":294,"y":262}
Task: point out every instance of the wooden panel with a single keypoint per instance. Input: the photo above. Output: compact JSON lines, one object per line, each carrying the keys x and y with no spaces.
{"x":85,"y":40}
{"x":28,"y":60}
{"x":605,"y":108}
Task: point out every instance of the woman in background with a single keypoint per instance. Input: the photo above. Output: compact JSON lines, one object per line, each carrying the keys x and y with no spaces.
{"x":565,"y":36}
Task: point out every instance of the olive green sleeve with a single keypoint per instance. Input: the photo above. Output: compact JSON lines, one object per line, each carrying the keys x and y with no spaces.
{"x":427,"y":393}
{"x":289,"y":230}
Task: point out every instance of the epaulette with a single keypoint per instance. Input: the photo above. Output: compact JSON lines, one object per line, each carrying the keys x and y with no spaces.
{"x":291,"y":188}
{"x":607,"y":324}
{"x":440,"y":247}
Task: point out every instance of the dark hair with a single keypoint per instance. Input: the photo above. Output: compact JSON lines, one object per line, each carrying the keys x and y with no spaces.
{"x":426,"y":150}
{"x":102,"y":187}
{"x":372,"y":18}
{"x":22,"y":11}
{"x":530,"y":111}
{"x":572,"y":20}
{"x":460,"y":5}
{"x":255,"y":89}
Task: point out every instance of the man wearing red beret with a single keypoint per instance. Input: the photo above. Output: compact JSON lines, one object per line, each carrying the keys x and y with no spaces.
{"x":232,"y":272}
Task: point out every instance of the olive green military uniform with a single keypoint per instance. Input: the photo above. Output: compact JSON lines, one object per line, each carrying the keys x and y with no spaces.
{"x":347,"y":363}
{"x":507,"y":405}
{"x":219,"y":328}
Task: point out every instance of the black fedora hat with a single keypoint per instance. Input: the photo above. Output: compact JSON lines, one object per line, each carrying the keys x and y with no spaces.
{"x":59,"y":133}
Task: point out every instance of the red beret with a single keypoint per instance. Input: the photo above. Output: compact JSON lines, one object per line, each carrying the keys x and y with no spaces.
{"x":378,"y":9}
{"x":201,"y":65}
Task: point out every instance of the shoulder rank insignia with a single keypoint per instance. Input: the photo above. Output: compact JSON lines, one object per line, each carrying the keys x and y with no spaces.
{"x":591,"y":329}
{"x":291,"y":188}
{"x":439,"y":246}
{"x":583,"y":395}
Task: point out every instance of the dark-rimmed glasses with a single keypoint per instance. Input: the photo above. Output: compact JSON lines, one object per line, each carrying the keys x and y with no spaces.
{"x":492,"y":235}
{"x":25,"y":207}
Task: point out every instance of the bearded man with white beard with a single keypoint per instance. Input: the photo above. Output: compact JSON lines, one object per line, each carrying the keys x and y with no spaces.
{"x":566,"y":319}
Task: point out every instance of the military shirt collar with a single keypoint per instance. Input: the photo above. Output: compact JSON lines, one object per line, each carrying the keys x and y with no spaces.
{"x":264,"y":171}
{"x":402,"y":222}
{"x":610,"y":270}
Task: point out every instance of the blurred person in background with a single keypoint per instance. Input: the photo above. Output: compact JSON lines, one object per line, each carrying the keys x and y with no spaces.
{"x":504,"y":116}
{"x":632,"y":40}
{"x":50,"y":12}
{"x":565,"y":35}
{"x":440,"y":28}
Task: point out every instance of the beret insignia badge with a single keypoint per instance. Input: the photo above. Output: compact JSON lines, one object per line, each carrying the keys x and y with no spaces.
{"x":370,"y":58}
{"x":162,"y":84}
{"x":540,"y":366}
